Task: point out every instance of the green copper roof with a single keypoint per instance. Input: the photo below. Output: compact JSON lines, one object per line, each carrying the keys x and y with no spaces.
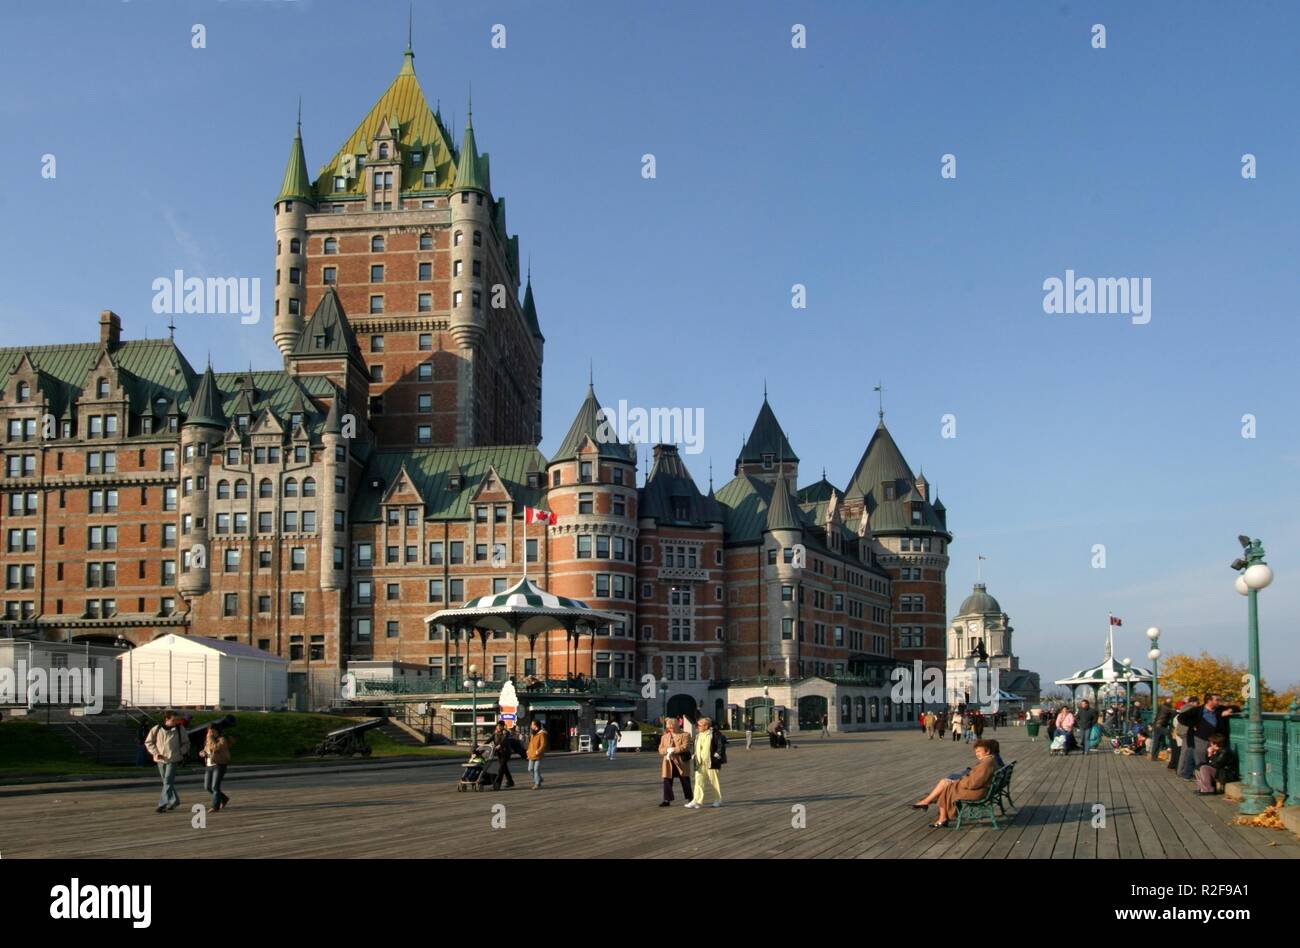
{"x":818,"y":492}
{"x":670,"y":494}
{"x":471,"y":173}
{"x":328,"y":332}
{"x":296,"y":185}
{"x":782,"y":512}
{"x":588,"y":424}
{"x":766,"y":438}
{"x":979,"y":602}
{"x":205,"y":406}
{"x":403,"y":101}
{"x":745,"y":500}
{"x":883,"y":470}
{"x":530,"y":312}
{"x":430,"y":471}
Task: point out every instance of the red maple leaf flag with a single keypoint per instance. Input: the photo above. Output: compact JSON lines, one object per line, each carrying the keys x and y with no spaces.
{"x":1115,"y":620}
{"x":533,"y":515}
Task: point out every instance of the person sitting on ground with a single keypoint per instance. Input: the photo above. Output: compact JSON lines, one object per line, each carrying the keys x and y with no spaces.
{"x":1220,"y":768}
{"x":970,"y":785}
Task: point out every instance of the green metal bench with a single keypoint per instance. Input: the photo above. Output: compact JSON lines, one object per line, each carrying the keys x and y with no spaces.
{"x":1005,"y":793}
{"x":985,"y":804}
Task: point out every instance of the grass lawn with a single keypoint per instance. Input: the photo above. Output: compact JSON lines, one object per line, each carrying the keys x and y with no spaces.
{"x":29,"y":748}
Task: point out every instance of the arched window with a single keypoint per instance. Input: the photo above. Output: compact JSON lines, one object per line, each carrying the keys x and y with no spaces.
{"x":290,"y":487}
{"x":309,"y":487}
{"x":223,"y":490}
{"x":456,"y":238}
{"x":383,"y":151}
{"x":295,"y":245}
{"x":376,"y":244}
{"x":241,"y":489}
{"x":264,"y":487}
{"x":331,"y":245}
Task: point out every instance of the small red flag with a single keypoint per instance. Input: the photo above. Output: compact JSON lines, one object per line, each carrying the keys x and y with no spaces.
{"x":1115,"y":620}
{"x":533,"y":515}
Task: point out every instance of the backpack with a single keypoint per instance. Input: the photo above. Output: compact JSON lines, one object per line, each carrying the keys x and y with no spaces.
{"x":720,"y":743}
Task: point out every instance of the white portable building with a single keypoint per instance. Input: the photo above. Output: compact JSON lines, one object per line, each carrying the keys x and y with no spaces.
{"x":190,"y":671}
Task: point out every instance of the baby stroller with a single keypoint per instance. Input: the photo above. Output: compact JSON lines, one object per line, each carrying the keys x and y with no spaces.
{"x":480,"y":770}
{"x":1058,"y":743}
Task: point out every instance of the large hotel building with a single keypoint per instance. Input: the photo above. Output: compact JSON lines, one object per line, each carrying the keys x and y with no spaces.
{"x":323,"y":509}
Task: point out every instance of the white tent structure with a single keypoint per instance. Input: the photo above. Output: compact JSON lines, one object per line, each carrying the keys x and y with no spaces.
{"x":190,"y":671}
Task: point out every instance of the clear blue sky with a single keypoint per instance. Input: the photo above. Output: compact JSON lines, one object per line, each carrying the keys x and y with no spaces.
{"x":779,"y":166}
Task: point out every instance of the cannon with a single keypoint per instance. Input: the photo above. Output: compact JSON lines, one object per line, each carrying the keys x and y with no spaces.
{"x":350,"y":740}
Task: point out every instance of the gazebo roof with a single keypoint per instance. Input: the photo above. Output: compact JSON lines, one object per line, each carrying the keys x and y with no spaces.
{"x":525,"y":608}
{"x":1110,"y":671}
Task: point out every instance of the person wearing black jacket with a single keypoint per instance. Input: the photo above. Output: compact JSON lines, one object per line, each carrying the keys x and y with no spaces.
{"x":1203,"y":721}
{"x":1220,"y":768}
{"x":1084,"y":721}
{"x":1160,"y":728}
{"x":504,"y":743}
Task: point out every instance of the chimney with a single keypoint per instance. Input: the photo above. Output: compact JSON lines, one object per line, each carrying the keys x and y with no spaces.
{"x":110,"y":330}
{"x":661,"y":449}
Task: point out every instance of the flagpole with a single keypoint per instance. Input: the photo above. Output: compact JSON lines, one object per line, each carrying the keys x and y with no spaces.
{"x":525,"y":541}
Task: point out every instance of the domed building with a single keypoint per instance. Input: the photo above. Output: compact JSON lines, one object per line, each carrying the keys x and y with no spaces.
{"x":980,"y":636}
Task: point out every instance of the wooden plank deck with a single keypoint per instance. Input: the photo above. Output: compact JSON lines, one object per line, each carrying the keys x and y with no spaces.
{"x":854,"y":788}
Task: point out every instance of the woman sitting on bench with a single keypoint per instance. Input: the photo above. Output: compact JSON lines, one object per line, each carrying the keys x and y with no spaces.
{"x":970,"y":785}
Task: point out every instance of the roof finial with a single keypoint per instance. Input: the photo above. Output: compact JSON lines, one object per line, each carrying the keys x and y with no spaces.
{"x":880,"y":392}
{"x":764,"y":388}
{"x":530,"y":268}
{"x":410,"y":17}
{"x":591,"y":375}
{"x":300,"y":116}
{"x":171,"y":328}
{"x":710,"y":475}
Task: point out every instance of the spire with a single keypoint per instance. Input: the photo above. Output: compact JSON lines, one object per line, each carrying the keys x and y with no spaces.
{"x":469,"y":175}
{"x":296,"y":184}
{"x":332,"y":423}
{"x":782,"y":514}
{"x":530,"y":308}
{"x":766,"y":437}
{"x":205,"y":406}
{"x":880,"y":393}
{"x":408,"y":57}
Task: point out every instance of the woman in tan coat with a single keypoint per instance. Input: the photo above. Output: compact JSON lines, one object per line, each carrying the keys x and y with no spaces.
{"x":972,"y":786}
{"x":675,"y":751}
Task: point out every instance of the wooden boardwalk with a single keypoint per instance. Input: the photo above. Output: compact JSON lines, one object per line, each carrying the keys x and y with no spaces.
{"x":854,"y":787}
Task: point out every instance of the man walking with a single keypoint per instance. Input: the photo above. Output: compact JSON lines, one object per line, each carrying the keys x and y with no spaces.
{"x":536,"y":751}
{"x":749,"y":732}
{"x":1085,"y":719}
{"x":710,"y":754}
{"x":168,"y":744}
{"x":1160,"y":728}
{"x":1187,"y":758}
{"x":612,"y":731}
{"x":825,"y":721}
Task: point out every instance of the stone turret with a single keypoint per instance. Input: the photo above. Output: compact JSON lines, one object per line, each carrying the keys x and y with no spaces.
{"x":471,"y":215}
{"x":334,"y":558}
{"x":295,"y":201}
{"x":204,"y":427}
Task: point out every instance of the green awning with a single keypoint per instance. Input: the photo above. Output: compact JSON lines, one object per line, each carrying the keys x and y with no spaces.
{"x":484,"y":703}
{"x":615,"y":706}
{"x":551,"y":705}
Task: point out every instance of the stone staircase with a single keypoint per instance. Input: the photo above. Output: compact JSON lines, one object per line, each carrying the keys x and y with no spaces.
{"x":106,"y":738}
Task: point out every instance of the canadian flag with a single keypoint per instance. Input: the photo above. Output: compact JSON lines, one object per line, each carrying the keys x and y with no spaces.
{"x":1115,"y":620}
{"x":533,"y":515}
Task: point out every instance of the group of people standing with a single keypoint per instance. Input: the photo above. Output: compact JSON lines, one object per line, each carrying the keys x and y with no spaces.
{"x":168,"y":744}
{"x":506,"y":744}
{"x":704,"y":752}
{"x":964,"y":724}
{"x":1197,"y":733}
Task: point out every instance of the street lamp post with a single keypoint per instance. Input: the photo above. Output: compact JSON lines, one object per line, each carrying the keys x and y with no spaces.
{"x":473,"y":712}
{"x":1154,"y":655}
{"x":1255,"y":575}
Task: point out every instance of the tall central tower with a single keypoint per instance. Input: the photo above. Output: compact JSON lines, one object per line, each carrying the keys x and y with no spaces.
{"x":402,"y":224}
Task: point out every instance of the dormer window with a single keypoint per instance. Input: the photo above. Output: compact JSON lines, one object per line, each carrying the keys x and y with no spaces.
{"x":916,"y":515}
{"x":455,"y":482}
{"x":429,"y":179}
{"x":417,"y":159}
{"x":295,"y":419}
{"x":340,"y":183}
{"x":242,"y":422}
{"x":768,"y":460}
{"x":584,"y":472}
{"x":101,"y":388}
{"x":890,"y":493}
{"x":383,"y":151}
{"x":24,"y":392}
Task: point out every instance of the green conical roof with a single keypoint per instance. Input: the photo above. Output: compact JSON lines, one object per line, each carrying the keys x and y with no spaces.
{"x":332,"y":423}
{"x":530,"y":311}
{"x":766,"y":438}
{"x":297,"y":184}
{"x":782,"y":512}
{"x":469,"y":173}
{"x":328,"y":332}
{"x":588,"y":424}
{"x":205,"y":406}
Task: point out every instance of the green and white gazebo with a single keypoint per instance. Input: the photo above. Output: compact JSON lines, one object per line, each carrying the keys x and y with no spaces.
{"x":1111,"y":673}
{"x":524,"y":609}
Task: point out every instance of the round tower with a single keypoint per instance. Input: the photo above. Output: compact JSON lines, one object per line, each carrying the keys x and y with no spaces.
{"x":295,"y":201}
{"x":470,"y":223}
{"x":334,"y":557}
{"x":202,"y":432}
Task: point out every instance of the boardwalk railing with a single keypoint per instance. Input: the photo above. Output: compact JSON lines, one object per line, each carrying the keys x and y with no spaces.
{"x":443,"y":686}
{"x":1281,"y":750}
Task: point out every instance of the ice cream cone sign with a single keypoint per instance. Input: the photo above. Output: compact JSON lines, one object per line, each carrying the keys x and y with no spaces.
{"x":509,"y":702}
